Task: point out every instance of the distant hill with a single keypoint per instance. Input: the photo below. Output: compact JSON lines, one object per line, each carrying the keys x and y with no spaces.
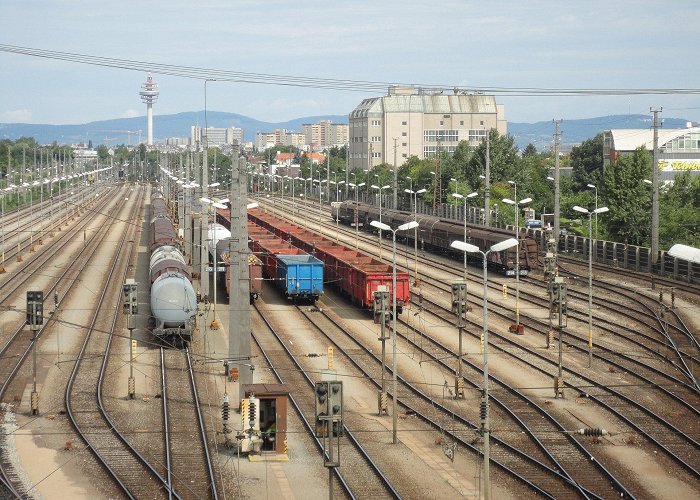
{"x":164,"y":126}
{"x":574,"y":132}
{"x":540,"y":134}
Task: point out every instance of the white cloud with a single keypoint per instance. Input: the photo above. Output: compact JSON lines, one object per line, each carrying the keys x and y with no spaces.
{"x":16,"y":116}
{"x":130,"y":113}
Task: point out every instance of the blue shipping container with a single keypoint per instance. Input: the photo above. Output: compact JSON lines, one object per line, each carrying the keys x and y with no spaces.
{"x":300,"y":276}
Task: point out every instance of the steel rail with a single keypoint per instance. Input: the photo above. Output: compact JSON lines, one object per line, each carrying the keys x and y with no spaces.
{"x":348,"y":432}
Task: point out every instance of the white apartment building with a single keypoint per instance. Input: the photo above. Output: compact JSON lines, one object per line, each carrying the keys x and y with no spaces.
{"x":325,"y":134}
{"x":265,"y":140}
{"x":412,"y":122}
{"x":216,"y":136}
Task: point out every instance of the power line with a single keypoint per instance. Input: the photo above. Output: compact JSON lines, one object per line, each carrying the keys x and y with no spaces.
{"x":366,"y":86}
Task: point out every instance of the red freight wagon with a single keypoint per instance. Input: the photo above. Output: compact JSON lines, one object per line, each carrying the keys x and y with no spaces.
{"x":344,"y":269}
{"x":255,"y":273}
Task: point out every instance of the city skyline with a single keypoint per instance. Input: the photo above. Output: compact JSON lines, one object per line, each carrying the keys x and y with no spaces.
{"x":547,"y":45}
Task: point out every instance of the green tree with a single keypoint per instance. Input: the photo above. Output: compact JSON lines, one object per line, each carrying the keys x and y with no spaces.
{"x":628,"y":198}
{"x":504,"y":164}
{"x":587,"y":163}
{"x":679,"y":214}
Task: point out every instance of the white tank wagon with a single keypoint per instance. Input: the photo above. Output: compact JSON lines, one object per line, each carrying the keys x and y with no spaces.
{"x":173,"y":299}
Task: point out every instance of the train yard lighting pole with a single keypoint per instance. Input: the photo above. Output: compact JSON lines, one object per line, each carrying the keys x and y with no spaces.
{"x":469,"y":248}
{"x":294,"y":200}
{"x":356,"y":187}
{"x":590,"y":275}
{"x":379,"y":190}
{"x":517,"y":328}
{"x":593,"y":186}
{"x":402,"y":227}
{"x":415,"y":232}
{"x":465,"y":198}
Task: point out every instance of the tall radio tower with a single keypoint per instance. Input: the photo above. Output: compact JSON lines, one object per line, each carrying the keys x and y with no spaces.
{"x":149,"y":95}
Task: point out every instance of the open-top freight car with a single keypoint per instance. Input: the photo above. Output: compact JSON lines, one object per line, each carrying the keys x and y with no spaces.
{"x":438,"y":234}
{"x":219,"y":237}
{"x":296,"y":273}
{"x":354,"y":273}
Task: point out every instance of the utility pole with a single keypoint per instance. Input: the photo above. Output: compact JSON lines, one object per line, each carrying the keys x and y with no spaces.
{"x":487,"y":181}
{"x":655,"y":193}
{"x":239,"y":309}
{"x":437,"y":187}
{"x":557,"y":192}
{"x":396,"y":180}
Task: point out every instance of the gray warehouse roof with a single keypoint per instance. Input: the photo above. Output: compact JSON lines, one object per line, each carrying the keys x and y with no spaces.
{"x":422,"y":103}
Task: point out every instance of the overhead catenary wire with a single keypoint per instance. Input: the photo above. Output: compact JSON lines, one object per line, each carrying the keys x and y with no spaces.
{"x":366,"y":86}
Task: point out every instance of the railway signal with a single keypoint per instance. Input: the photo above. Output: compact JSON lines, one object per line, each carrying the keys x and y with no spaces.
{"x":459,"y":307}
{"x":35,"y":318}
{"x":131,"y":308}
{"x":381,"y":315}
{"x":557,"y":294}
{"x":329,"y":423}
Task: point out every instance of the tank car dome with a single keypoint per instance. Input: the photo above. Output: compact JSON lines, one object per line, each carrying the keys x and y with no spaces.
{"x":166,"y":252}
{"x":173,"y":300}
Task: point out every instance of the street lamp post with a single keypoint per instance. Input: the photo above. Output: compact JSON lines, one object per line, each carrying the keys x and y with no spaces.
{"x":590,"y":276}
{"x":517,"y":327}
{"x":415,"y":233}
{"x":356,"y":187}
{"x":379,"y":190}
{"x":402,"y":227}
{"x":592,"y":186}
{"x":469,"y":248}
{"x":465,"y":198}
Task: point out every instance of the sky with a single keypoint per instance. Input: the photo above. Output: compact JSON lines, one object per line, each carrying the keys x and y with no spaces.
{"x":510,"y":43}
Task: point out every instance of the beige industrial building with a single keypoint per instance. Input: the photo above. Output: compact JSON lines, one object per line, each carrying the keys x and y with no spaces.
{"x":413,"y":122}
{"x":325,"y":134}
{"x":216,"y":136}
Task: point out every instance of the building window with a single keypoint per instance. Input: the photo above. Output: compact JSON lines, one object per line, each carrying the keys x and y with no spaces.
{"x":376,"y":138}
{"x":403,"y":134}
{"x":404,"y":155}
{"x":376,"y":155}
{"x":376,"y":123}
{"x":441,"y":122}
{"x":404,"y":123}
{"x":476,"y":135}
{"x":404,"y":144}
{"x":461,"y":122}
{"x":429,"y":151}
{"x":441,"y":135}
{"x":481,"y":122}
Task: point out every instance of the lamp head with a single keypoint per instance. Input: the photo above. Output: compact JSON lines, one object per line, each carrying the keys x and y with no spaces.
{"x":380,"y":225}
{"x":464,"y":247}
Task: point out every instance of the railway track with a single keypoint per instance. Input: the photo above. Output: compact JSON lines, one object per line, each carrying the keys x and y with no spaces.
{"x":652,"y":425}
{"x":681,"y":446}
{"x":524,"y":454}
{"x":364,"y":479}
{"x":18,"y":345}
{"x":671,"y":337}
{"x":190,"y":472}
{"x":130,"y":470}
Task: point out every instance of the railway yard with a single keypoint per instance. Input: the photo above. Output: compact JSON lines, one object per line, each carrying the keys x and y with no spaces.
{"x":610,"y":413}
